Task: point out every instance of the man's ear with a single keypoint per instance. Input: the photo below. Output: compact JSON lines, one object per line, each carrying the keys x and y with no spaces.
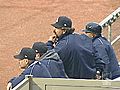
{"x":64,"y":31}
{"x":26,"y":61}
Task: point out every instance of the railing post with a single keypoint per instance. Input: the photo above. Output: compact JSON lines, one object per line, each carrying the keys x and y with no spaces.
{"x":109,"y":33}
{"x":30,"y":81}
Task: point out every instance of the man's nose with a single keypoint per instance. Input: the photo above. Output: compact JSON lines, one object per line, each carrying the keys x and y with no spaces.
{"x":55,"y":32}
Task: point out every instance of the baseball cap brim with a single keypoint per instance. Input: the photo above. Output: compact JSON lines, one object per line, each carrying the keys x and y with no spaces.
{"x":19,"y":57}
{"x":56,"y":25}
{"x":86,"y":31}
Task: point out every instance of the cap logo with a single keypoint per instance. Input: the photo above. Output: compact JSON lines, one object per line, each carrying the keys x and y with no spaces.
{"x":90,"y":27}
{"x":65,"y":24}
{"x":26,"y":56}
{"x":36,"y":51}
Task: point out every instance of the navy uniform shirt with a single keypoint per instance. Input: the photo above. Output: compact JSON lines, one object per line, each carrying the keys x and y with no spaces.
{"x":54,"y":64}
{"x":105,"y":51}
{"x":36,"y":69}
{"x":78,"y":60}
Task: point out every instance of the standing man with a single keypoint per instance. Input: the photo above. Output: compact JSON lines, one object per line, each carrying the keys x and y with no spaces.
{"x":103,"y":50}
{"x":27,"y":62}
{"x":50,"y":59}
{"x":78,"y":61}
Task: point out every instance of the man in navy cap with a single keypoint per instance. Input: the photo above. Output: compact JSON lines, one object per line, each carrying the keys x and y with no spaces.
{"x":27,"y":62}
{"x":50,"y":59}
{"x":78,"y":60}
{"x":40,"y":48}
{"x":103,"y":51}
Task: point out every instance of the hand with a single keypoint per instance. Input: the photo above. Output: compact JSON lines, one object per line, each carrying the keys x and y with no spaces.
{"x":52,"y":38}
{"x":9,"y":86}
{"x":98,"y":75}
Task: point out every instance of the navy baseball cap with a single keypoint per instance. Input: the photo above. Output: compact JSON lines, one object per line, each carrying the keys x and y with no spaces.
{"x":62,"y":22}
{"x":26,"y":53}
{"x":40,"y":47}
{"x":93,"y":27}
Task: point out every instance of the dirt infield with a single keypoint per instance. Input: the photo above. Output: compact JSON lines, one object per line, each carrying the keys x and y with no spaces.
{"x":23,"y":22}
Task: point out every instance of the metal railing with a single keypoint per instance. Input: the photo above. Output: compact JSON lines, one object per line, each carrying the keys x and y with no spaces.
{"x":108,"y":21}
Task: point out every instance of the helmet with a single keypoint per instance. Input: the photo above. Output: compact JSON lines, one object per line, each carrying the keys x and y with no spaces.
{"x":62,"y":22}
{"x":93,"y":28}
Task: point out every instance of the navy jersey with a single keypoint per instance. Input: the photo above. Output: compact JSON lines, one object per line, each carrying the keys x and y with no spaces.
{"x":54,"y":64}
{"x":77,"y":56}
{"x":36,"y":69}
{"x":104,"y":50}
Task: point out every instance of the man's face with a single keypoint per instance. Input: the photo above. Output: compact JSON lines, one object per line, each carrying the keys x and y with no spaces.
{"x":90,"y":35}
{"x":38,"y":55}
{"x":58,"y":32}
{"x":23,"y":63}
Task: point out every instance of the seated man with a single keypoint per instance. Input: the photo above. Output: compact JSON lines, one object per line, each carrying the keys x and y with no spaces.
{"x":32,"y":67}
{"x":103,"y":51}
{"x":77,"y":58}
{"x":50,"y":59}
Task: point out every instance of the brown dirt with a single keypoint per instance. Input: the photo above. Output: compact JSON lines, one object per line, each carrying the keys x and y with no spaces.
{"x":26,"y":21}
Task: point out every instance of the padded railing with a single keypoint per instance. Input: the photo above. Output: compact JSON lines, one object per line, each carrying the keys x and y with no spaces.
{"x":66,"y":84}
